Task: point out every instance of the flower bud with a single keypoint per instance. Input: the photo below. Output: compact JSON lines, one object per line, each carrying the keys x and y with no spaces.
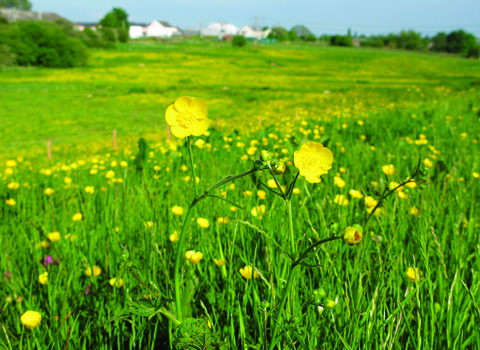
{"x":320,"y":292}
{"x":265,"y":304}
{"x":330,"y":304}
{"x":280,"y":169}
{"x":265,"y":156}
{"x":317,"y":301}
{"x":352,"y":235}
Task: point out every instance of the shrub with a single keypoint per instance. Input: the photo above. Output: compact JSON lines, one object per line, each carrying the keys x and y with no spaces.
{"x":44,"y":44}
{"x":239,"y":40}
{"x":6,"y":57}
{"x":460,"y":42}
{"x":341,"y":40}
{"x":122,"y":35}
{"x":474,"y":52}
{"x":311,"y":38}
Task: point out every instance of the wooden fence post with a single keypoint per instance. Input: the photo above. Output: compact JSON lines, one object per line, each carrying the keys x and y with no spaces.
{"x":114,"y":139}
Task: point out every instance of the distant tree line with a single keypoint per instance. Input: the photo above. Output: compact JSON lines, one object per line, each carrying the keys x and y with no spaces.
{"x":457,"y":42}
{"x":57,"y":44}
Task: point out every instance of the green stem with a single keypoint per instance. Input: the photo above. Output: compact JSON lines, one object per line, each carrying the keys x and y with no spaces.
{"x":289,"y":284}
{"x":290,"y":226}
{"x":178,"y":259}
{"x":143,"y":284}
{"x":192,"y":164}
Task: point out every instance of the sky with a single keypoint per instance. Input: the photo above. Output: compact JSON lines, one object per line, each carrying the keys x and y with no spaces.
{"x":321,"y":16}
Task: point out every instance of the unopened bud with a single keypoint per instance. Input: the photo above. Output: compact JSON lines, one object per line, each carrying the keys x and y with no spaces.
{"x":330,"y":304}
{"x":320,"y":292}
{"x":265,"y":156}
{"x":352,"y":235}
{"x":265,"y":304}
{"x":280,"y":169}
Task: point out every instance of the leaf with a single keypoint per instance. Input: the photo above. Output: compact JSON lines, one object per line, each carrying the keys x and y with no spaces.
{"x":219,"y":182}
{"x":194,"y":333}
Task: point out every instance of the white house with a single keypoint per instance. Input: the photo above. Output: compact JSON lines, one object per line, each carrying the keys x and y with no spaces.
{"x":219,"y":30}
{"x":250,"y":33}
{"x":160,"y":29}
{"x":137,"y":30}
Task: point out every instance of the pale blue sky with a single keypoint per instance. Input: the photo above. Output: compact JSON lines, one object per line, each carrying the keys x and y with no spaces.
{"x":321,"y":17}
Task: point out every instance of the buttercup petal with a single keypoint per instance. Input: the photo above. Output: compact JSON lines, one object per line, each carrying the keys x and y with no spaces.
{"x":171,"y":115}
{"x":199,"y":109}
{"x":184,"y":104}
{"x":201,"y":126}
{"x":180,"y":132}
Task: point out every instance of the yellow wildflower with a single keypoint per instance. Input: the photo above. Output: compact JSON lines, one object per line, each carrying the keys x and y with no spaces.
{"x":428,"y":163}
{"x":296,"y":191}
{"x":11,"y":163}
{"x":90,"y":189}
{"x":352,"y":235}
{"x":337,"y":180}
{"x":476,"y":175}
{"x":54,"y":236}
{"x":13,"y":185}
{"x":224,"y":220}
{"x":258,"y":211}
{"x":114,"y":282}
{"x":48,"y":191}
{"x":203,"y":223}
{"x":414,"y":211}
{"x":96,"y":271}
{"x":249,"y":193}
{"x":43,"y":278}
{"x":110,"y":174}
{"x":388,"y":169}
{"x":261,"y":194}
{"x":67,"y":180}
{"x":247,"y":272}
{"x":177,"y":210}
{"x":356,"y":194}
{"x":174,"y":236}
{"x":313,"y":160}
{"x":220,"y":262}
{"x":11,"y":202}
{"x":340,"y":199}
{"x":193,"y":257}
{"x":77,"y":217}
{"x":31,"y":319}
{"x":188,"y":116}
{"x":414,"y":274}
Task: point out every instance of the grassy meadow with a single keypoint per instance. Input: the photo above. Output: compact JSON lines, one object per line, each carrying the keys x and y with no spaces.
{"x":91,"y":204}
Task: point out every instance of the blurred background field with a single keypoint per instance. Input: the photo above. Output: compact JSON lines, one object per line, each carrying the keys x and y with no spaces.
{"x":370,"y":107}
{"x":126,"y":89}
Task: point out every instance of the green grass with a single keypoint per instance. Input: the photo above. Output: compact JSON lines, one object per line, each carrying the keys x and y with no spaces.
{"x":376,"y":305}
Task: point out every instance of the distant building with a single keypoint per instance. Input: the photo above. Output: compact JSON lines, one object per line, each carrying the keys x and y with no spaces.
{"x":250,"y":33}
{"x":13,"y":15}
{"x":219,"y":30}
{"x":137,"y":30}
{"x":83,"y":25}
{"x":161,"y":29}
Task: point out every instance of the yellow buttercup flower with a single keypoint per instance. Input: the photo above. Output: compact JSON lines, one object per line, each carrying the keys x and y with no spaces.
{"x":203,"y":223}
{"x":31,"y":319}
{"x":110,"y":174}
{"x":414,"y":274}
{"x":193,"y":257}
{"x":414,"y":211}
{"x":177,"y":210}
{"x":188,"y":116}
{"x":247,"y":272}
{"x":48,"y":191}
{"x":224,"y":220}
{"x":388,"y":169}
{"x":11,"y":163}
{"x":54,"y":236}
{"x":261,"y":194}
{"x":13,"y":185}
{"x":11,"y":202}
{"x":96,"y":271}
{"x":352,"y":235}
{"x":356,"y":194}
{"x":90,"y":189}
{"x":220,"y":262}
{"x":77,"y":217}
{"x":258,"y":211}
{"x":337,"y":180}
{"x":296,"y":191}
{"x":114,"y":282}
{"x":313,"y":160}
{"x":174,"y":236}
{"x":340,"y":199}
{"x":43,"y":278}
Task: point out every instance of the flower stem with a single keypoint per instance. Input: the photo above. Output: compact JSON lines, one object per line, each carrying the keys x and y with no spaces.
{"x":192,"y":163}
{"x":178,"y":259}
{"x":290,"y":226}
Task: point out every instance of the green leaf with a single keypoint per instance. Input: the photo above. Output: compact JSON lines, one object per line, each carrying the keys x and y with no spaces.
{"x":194,"y":333}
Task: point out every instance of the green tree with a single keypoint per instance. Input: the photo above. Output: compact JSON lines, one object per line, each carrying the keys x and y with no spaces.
{"x":16,"y":4}
{"x":460,"y":42}
{"x":117,"y":18}
{"x":302,"y":31}
{"x":279,"y":33}
{"x":439,"y":42}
